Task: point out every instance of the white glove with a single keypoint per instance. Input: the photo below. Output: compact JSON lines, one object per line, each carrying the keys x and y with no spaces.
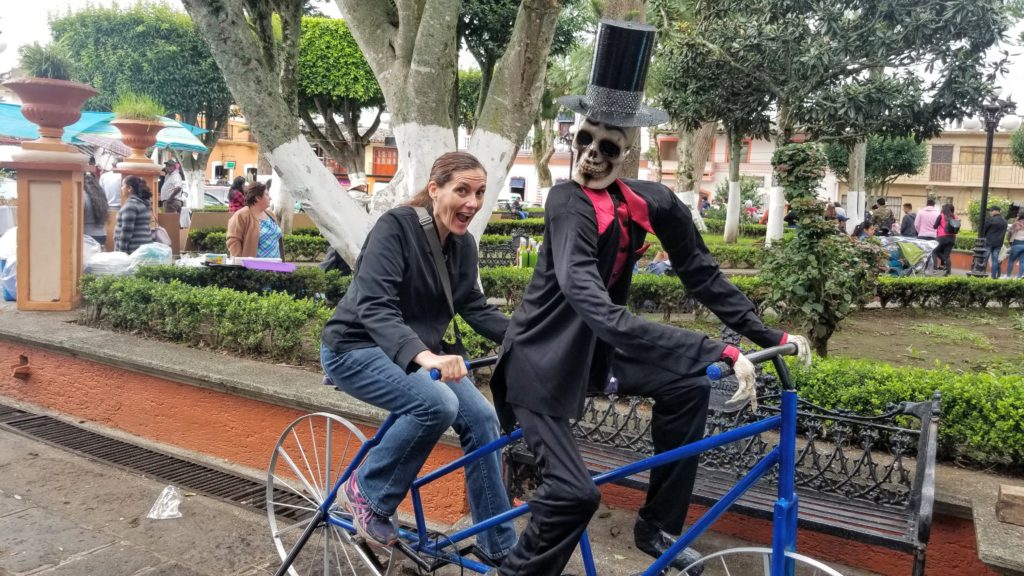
{"x":746,"y":376}
{"x":803,"y":348}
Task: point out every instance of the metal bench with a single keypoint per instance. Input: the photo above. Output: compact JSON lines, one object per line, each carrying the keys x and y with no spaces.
{"x":493,"y":256}
{"x":866,"y":478}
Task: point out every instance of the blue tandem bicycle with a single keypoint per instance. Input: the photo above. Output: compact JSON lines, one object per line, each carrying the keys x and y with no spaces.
{"x":313,"y":534}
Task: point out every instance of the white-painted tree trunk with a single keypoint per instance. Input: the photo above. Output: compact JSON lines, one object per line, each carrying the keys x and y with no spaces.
{"x":855,"y":211}
{"x":732,"y":213}
{"x":418,"y":147}
{"x":194,"y":186}
{"x":691,"y":200}
{"x":341,"y":220}
{"x":282,"y":204}
{"x":776,"y":212}
{"x":496,"y":153}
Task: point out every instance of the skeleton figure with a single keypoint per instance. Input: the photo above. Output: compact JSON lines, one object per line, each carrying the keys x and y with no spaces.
{"x":600,"y":152}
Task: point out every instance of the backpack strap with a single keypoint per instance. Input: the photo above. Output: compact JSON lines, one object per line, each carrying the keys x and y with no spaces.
{"x":437,"y":255}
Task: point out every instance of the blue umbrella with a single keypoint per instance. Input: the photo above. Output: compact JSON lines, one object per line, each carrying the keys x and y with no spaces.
{"x":95,"y":126}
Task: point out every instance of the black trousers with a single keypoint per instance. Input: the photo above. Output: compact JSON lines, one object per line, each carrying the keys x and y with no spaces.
{"x":679,"y":414}
{"x":561,"y":506}
{"x":945,"y":250}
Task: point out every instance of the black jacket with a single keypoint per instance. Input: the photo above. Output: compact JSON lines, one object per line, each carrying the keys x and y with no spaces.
{"x":396,"y":300}
{"x":995,"y":231}
{"x":561,"y":339}
{"x":907,"y":225}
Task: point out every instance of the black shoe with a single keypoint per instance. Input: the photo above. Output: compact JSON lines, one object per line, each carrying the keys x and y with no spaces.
{"x":652,"y":541}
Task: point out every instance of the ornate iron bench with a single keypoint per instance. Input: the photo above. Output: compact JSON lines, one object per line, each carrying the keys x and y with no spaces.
{"x":867,"y":478}
{"x":493,"y":256}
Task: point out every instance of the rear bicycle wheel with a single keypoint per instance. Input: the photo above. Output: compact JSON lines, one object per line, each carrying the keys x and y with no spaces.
{"x":312,"y":453}
{"x":754,"y":562}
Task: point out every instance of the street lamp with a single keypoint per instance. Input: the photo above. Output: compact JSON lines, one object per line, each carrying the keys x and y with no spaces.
{"x":991,"y":113}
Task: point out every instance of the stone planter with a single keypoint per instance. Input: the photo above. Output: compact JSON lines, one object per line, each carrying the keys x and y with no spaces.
{"x":139,"y":135}
{"x":52,"y":105}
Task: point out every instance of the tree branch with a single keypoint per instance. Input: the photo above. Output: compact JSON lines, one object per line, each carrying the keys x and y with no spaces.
{"x":374,"y":26}
{"x":767,"y":80}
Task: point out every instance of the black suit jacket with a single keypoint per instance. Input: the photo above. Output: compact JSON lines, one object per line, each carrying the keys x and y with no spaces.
{"x":561,"y":339}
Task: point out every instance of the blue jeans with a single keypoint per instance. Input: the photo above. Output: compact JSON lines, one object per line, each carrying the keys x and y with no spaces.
{"x":993,"y":256}
{"x":1016,"y":255}
{"x":425,"y":409}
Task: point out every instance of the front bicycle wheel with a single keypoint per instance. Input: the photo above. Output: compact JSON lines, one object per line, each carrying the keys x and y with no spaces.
{"x":754,"y":562}
{"x":312,"y":453}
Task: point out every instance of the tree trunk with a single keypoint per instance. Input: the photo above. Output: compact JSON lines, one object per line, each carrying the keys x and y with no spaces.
{"x":543,"y":149}
{"x":855,"y":189}
{"x":776,"y":195}
{"x":282,"y":204}
{"x":694,"y":149}
{"x":732,"y":214}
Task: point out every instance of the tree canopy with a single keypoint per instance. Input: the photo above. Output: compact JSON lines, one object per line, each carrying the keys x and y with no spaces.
{"x":336,"y":83}
{"x":887,"y":159}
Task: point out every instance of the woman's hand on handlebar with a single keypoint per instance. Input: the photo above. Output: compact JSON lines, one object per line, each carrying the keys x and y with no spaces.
{"x":451,"y":367}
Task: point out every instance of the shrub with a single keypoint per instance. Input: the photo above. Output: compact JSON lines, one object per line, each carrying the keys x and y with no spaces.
{"x":297,"y":247}
{"x":533,"y":226}
{"x":982,"y":414}
{"x":305,"y":282}
{"x":50,"y":61}
{"x":306,"y":231}
{"x":274,"y":325}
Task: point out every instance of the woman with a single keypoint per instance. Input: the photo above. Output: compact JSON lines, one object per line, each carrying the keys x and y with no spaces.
{"x":864,"y":230}
{"x":236,"y":195}
{"x":133,"y":221}
{"x":946,"y":237}
{"x":1015,"y":236}
{"x":95,"y":209}
{"x":385,"y":337}
{"x":253,"y":231}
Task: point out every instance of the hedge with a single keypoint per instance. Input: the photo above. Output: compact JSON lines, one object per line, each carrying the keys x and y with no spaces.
{"x":532,"y":226}
{"x":297,"y":247}
{"x":273,"y":325}
{"x":982,"y":413}
{"x":948,"y":292}
{"x":305,"y":282}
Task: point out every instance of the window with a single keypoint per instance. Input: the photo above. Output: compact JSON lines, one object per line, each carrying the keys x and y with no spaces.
{"x":942,"y":162}
{"x":385,"y":161}
{"x":219,"y":172}
{"x":976,"y":155}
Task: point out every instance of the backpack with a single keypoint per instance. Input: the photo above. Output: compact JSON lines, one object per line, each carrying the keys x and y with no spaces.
{"x":952,"y":225}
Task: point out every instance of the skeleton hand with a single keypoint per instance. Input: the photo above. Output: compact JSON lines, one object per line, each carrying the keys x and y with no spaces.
{"x":803,"y":348}
{"x":746,"y":376}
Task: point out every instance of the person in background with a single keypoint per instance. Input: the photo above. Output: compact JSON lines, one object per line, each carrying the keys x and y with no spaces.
{"x":357,"y":190}
{"x":1015,"y":237}
{"x":253,"y":230}
{"x":882,"y":217}
{"x":135,"y":217}
{"x":994,"y":232}
{"x":236,"y":194}
{"x":907,"y":223}
{"x":173,"y":182}
{"x":924,"y":223}
{"x":95,"y":204}
{"x":864,"y":230}
{"x":111,"y":183}
{"x":946,"y":238}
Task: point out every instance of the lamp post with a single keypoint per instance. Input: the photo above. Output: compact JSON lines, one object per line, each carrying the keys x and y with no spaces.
{"x":991,"y":113}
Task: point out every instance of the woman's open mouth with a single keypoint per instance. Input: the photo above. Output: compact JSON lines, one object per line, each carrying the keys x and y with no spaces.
{"x":463,"y":218}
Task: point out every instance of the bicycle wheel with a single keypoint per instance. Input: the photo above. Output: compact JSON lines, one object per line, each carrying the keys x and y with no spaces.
{"x":310,"y":456}
{"x":755,"y":562}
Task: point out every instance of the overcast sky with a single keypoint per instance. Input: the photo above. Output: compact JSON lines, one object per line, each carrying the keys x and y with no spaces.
{"x":27,"y":23}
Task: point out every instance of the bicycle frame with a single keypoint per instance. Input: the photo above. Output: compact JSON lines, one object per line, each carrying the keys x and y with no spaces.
{"x":784,"y":517}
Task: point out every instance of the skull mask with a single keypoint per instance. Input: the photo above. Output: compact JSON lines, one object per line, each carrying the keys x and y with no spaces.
{"x":600,"y":151}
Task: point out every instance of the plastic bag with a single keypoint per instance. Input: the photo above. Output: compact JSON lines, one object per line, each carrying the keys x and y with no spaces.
{"x":109,"y":264}
{"x":152,"y":254}
{"x":9,"y":244}
{"x":166,"y":505}
{"x":9,"y":279}
{"x":90,"y":248}
{"x":185,"y":218}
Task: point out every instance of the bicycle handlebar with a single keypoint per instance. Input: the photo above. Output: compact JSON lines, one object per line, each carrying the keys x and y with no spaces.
{"x":471,"y":365}
{"x":720,"y":370}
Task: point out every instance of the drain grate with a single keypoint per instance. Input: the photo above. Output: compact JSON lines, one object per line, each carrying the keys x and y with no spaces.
{"x":182,"y":473}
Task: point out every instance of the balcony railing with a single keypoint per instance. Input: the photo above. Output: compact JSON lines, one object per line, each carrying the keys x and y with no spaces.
{"x":966,"y":175}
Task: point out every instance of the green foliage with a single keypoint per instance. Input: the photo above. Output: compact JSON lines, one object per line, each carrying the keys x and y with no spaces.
{"x":469,"y":95}
{"x":307,"y":231}
{"x":974,"y":211}
{"x":131,"y":106}
{"x":887,"y":159}
{"x":297,"y":247}
{"x":982,"y":413}
{"x":145,"y":48}
{"x":952,"y":334}
{"x":532,"y":226}
{"x":332,"y":66}
{"x":1017,"y":145}
{"x":305,"y":282}
{"x":51,"y":61}
{"x":817,"y":278}
{"x":274,"y":325}
{"x":952,"y":292}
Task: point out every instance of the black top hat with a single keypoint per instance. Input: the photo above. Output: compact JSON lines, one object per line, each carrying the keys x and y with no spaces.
{"x":615,"y":90}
